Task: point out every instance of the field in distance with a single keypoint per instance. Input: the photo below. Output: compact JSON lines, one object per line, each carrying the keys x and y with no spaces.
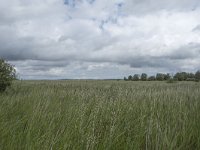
{"x":87,"y":114}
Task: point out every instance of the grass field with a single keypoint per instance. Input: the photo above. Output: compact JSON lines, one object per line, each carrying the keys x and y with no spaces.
{"x":77,"y":115}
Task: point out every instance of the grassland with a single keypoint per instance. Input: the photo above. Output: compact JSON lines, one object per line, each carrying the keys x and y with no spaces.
{"x":77,"y":115}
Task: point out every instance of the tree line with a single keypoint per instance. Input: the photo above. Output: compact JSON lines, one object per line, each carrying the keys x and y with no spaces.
{"x":179,"y":76}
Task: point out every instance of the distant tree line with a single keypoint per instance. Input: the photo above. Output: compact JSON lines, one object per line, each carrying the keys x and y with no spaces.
{"x":179,"y":76}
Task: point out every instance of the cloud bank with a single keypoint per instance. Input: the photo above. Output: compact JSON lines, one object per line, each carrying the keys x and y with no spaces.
{"x":51,"y":39}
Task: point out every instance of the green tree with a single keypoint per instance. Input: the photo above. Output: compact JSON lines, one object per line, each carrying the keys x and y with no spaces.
{"x":152,"y":78}
{"x":130,"y":77}
{"x":167,"y":76}
{"x":160,"y":76}
{"x":197,"y":75}
{"x":136,"y":77}
{"x":191,"y":75}
{"x":181,"y":76}
{"x":7,"y":74}
{"x":125,"y":79}
{"x":143,"y":76}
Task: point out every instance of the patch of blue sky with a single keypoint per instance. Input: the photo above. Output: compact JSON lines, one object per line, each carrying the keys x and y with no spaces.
{"x":113,"y":18}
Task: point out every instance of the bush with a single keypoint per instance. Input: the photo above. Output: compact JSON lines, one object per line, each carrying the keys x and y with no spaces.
{"x":190,"y":79}
{"x":7,"y":75}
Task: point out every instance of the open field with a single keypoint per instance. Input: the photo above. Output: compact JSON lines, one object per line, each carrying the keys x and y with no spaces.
{"x":100,"y":115}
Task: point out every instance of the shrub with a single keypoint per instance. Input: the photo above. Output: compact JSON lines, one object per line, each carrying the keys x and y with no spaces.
{"x":190,"y":79}
{"x":7,"y":74}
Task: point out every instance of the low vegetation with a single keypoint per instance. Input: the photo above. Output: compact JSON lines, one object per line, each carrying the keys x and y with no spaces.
{"x":100,"y":115}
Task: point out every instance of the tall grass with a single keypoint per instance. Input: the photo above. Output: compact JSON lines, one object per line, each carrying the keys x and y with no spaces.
{"x":100,"y":115}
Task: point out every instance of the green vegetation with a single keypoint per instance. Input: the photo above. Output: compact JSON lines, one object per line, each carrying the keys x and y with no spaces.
{"x":179,"y":76}
{"x":7,"y":75}
{"x":100,"y":115}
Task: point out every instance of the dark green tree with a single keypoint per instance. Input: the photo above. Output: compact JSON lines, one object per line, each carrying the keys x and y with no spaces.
{"x":181,"y":76}
{"x":197,"y":75}
{"x":130,"y":77}
{"x":152,"y":78}
{"x":136,"y":77}
{"x":191,"y":75}
{"x":160,"y":76}
{"x":125,"y":79}
{"x":167,"y":76}
{"x":7,"y":75}
{"x":143,"y":76}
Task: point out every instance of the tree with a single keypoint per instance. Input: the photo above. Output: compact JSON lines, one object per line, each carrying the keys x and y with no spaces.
{"x":7,"y":74}
{"x":181,"y":76}
{"x":136,"y":77}
{"x":125,"y":79}
{"x":197,"y":75}
{"x":130,"y":77}
{"x":160,"y":76}
{"x":152,"y":78}
{"x":143,"y":76}
{"x":167,"y":76}
{"x":191,"y":75}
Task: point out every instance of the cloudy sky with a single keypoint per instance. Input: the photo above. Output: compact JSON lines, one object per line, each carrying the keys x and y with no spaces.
{"x":52,"y":39}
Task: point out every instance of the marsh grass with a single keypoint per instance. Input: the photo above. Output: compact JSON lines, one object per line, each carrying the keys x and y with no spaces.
{"x":100,"y":115}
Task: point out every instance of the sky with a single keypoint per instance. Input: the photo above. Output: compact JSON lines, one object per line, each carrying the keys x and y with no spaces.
{"x":99,"y":39}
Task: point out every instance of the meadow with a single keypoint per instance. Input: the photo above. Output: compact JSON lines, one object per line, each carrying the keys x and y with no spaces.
{"x":89,"y":114}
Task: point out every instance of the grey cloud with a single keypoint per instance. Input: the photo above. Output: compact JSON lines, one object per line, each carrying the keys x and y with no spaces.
{"x":36,"y":65}
{"x":197,"y":28}
{"x":147,"y":6}
{"x":189,"y":51}
{"x":172,"y":60}
{"x":152,"y":62}
{"x":149,"y":62}
{"x":40,"y":39}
